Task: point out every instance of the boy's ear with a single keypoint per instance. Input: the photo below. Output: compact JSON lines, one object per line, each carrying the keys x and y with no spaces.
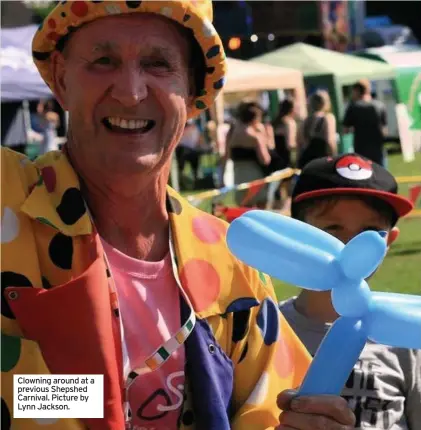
{"x":393,"y":235}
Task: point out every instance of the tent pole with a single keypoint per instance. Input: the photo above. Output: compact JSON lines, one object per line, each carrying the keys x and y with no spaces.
{"x":26,"y":119}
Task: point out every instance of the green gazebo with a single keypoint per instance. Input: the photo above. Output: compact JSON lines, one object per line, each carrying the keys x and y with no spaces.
{"x":406,"y":60}
{"x":328,"y":69}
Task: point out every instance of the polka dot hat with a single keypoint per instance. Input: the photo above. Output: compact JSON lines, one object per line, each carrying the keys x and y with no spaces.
{"x":196,"y":15}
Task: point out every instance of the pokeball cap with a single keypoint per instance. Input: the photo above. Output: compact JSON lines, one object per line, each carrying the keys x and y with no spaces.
{"x":349,"y":174}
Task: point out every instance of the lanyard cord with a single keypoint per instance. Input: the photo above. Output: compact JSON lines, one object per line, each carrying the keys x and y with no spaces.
{"x":165,"y":350}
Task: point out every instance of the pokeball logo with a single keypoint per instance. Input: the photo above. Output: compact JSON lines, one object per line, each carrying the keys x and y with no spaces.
{"x":354,"y":168}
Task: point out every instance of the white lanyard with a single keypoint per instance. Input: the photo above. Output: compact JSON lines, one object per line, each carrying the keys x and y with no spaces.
{"x":164,"y":351}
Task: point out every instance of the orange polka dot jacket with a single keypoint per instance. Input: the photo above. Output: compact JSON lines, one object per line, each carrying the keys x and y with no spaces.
{"x":57,"y":316}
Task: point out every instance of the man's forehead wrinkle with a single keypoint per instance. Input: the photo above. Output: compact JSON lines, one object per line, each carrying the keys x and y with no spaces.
{"x":162,"y":50}
{"x":105,"y":46}
{"x":148,"y":49}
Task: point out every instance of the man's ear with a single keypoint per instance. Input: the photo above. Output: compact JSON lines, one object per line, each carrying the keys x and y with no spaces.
{"x":58,"y":72}
{"x":393,"y":235}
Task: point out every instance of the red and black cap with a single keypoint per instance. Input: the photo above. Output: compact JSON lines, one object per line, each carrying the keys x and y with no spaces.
{"x":349,"y":174}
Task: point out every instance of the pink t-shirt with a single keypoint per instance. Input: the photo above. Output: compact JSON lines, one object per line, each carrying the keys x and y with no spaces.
{"x":149,"y":303}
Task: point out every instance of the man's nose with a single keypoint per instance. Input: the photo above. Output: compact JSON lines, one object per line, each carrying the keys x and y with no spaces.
{"x":130,"y":87}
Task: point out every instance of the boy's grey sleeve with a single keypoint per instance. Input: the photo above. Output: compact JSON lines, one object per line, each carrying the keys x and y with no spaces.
{"x":413,"y":398}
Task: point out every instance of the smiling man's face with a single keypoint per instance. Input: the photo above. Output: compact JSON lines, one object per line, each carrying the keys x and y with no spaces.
{"x":125,"y":82}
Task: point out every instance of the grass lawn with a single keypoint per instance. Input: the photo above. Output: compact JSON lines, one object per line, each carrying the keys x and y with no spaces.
{"x":401,"y":270}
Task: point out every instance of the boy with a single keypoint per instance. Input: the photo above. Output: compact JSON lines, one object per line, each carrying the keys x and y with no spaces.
{"x":344,"y":196}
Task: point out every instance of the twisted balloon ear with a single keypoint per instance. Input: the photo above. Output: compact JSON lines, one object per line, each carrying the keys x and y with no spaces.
{"x":362,"y":255}
{"x":395,"y":320}
{"x":273,"y":244}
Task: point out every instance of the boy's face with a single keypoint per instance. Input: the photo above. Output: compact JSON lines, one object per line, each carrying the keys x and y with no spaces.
{"x":348,"y":217}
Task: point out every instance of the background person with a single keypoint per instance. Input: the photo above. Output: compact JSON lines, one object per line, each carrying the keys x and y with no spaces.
{"x":188,"y":150}
{"x":49,"y":121}
{"x":285,"y":129}
{"x":318,"y":130}
{"x":248,"y":146}
{"x":366,"y":119}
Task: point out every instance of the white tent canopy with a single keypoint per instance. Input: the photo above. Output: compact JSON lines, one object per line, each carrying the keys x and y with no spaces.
{"x":247,"y":76}
{"x":20,"y":79}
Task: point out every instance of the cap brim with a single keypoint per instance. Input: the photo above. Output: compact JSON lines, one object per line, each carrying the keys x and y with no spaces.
{"x":400,"y":204}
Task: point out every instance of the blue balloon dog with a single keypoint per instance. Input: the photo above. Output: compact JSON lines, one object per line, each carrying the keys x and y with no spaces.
{"x":301,"y":254}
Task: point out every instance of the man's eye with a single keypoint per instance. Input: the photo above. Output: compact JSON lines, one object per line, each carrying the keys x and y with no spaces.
{"x":157,"y":64}
{"x":103,"y":61}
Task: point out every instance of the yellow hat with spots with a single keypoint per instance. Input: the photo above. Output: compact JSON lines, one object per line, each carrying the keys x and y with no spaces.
{"x":195,"y":15}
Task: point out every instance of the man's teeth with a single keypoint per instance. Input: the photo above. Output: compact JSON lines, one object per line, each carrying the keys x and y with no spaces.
{"x":131,"y":124}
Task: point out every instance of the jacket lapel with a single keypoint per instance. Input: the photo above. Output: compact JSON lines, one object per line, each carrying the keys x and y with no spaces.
{"x":73,"y":323}
{"x":55,"y":199}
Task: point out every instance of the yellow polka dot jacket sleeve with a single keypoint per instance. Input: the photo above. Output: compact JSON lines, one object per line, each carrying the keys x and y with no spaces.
{"x":57,"y":313}
{"x":275,"y":360}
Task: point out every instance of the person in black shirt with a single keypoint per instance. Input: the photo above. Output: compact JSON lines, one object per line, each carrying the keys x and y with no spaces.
{"x":285,"y":130}
{"x":366,"y":118}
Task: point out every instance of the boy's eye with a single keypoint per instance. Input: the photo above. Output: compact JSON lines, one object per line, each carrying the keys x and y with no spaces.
{"x":372,"y":228}
{"x":332,"y":227}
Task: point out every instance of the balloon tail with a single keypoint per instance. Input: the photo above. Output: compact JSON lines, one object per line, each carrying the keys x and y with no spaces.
{"x":335,"y":358}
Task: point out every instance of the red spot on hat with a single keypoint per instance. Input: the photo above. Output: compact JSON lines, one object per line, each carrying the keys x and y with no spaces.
{"x":79,"y":8}
{"x":52,"y":23}
{"x":354,"y":167}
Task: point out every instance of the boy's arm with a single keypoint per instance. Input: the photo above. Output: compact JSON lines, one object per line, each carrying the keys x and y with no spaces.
{"x":267,"y":361}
